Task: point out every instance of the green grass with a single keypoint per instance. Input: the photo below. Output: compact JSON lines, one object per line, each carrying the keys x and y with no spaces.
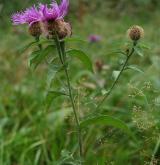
{"x":30,"y":134}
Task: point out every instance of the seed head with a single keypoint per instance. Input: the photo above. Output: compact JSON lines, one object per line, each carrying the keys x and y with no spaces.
{"x":135,"y":33}
{"x":35,"y":29}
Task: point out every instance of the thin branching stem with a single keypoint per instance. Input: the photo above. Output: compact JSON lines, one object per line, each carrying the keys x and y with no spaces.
{"x":129,"y":54}
{"x":117,"y":79}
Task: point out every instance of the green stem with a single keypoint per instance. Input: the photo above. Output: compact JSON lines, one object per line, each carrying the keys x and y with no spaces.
{"x":117,"y":79}
{"x":62,"y":55}
{"x":59,"y":49}
{"x":74,"y":110}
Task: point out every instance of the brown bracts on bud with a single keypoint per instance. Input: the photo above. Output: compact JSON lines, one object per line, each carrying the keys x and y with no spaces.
{"x":99,"y":65}
{"x":62,"y":28}
{"x":135,"y":33}
{"x":35,"y":29}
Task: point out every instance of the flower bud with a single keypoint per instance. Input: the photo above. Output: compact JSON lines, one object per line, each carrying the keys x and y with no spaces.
{"x":35,"y":29}
{"x":135,"y":33}
{"x":62,"y":28}
{"x":99,"y":65}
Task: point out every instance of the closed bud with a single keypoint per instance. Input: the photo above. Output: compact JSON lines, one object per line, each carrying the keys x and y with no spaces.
{"x":99,"y":65}
{"x":135,"y":33}
{"x":62,"y":28}
{"x":35,"y":29}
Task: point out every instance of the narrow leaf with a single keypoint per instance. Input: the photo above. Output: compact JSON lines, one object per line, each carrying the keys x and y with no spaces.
{"x":115,"y":74}
{"x":23,"y":49}
{"x":53,"y":70}
{"x":144,"y":46}
{"x":116,"y":52}
{"x":106,"y":120}
{"x":82,"y":57}
{"x":138,"y":51}
{"x":51,"y":95}
{"x":46,"y":41}
{"x":134,"y":68}
{"x":38,"y":56}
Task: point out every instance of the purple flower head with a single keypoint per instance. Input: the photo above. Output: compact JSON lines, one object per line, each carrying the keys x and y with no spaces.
{"x":94,"y":38}
{"x":42,"y":13}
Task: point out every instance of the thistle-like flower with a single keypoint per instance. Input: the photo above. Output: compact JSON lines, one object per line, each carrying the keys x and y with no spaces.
{"x":42,"y":17}
{"x":135,"y":33}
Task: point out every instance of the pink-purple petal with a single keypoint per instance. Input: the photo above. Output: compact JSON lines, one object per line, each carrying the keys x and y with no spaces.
{"x":51,"y":13}
{"x":32,"y":15}
{"x":63,"y":7}
{"x":18,"y":18}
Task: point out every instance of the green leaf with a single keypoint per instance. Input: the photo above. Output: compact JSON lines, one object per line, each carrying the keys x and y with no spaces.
{"x":82,"y":57}
{"x":138,"y":51}
{"x":46,"y":41}
{"x":106,"y":120}
{"x":43,"y":41}
{"x":115,"y":74}
{"x":23,"y":49}
{"x":144,"y":46}
{"x":51,"y":95}
{"x":38,"y":56}
{"x":53,"y":70}
{"x":57,"y":117}
{"x":116,"y":52}
{"x":134,"y":68}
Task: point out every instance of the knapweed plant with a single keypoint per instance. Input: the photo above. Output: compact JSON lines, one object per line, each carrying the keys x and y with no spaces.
{"x":47,"y":25}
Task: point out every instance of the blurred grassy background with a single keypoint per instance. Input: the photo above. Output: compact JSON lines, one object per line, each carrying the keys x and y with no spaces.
{"x":32,"y":135}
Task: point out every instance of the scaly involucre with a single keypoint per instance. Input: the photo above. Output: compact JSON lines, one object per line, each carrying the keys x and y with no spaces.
{"x":42,"y":13}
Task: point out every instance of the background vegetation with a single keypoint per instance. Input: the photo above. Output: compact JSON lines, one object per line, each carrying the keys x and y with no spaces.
{"x":30,"y":134}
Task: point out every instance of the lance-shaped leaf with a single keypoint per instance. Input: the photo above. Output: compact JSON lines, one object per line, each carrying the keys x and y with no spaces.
{"x":115,"y":74}
{"x":138,"y":51}
{"x":134,"y":68}
{"x":38,"y":56}
{"x":82,"y":57}
{"x":51,"y":95}
{"x":144,"y":46}
{"x":36,"y":43}
{"x":24,"y":48}
{"x":53,"y":70}
{"x":106,"y":120}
